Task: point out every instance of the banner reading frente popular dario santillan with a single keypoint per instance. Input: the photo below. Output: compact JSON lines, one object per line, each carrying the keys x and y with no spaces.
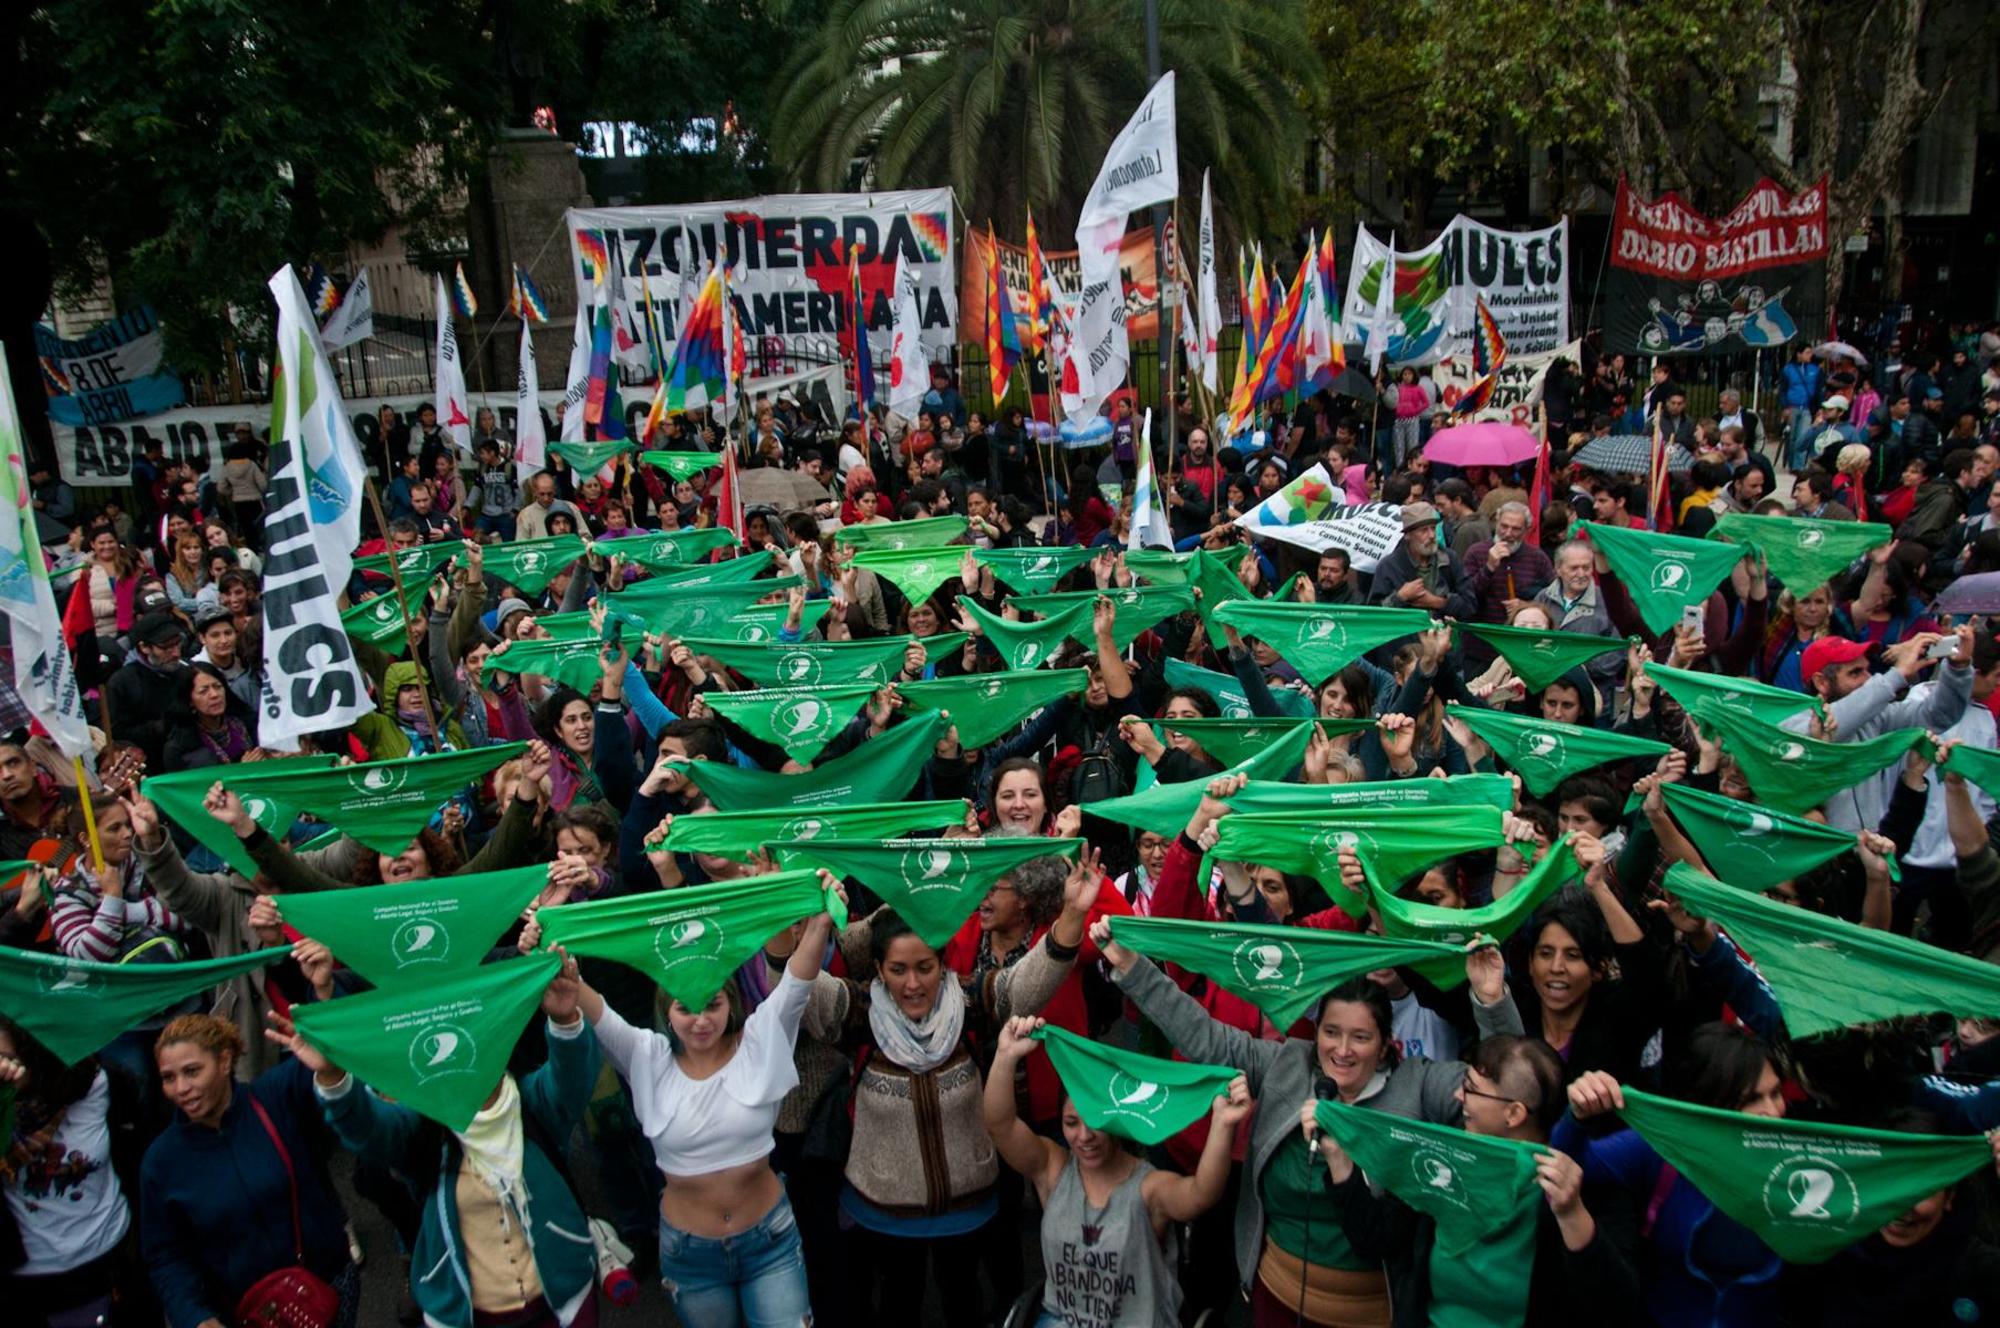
{"x":1682,"y":283}
{"x":787,"y":258}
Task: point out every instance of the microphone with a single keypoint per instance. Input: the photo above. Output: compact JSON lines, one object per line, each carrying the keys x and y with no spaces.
{"x":1324,"y":1090}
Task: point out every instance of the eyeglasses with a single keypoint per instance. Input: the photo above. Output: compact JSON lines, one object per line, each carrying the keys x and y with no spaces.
{"x":1465,"y":1086}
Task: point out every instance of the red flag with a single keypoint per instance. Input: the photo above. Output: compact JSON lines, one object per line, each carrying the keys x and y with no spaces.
{"x":1538,"y":493}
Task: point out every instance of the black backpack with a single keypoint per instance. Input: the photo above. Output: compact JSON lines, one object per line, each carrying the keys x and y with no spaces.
{"x":1098,"y":773}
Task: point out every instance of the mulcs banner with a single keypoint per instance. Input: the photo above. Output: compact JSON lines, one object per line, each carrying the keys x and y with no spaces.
{"x":1682,"y":283}
{"x":110,"y":373}
{"x":1522,"y":275}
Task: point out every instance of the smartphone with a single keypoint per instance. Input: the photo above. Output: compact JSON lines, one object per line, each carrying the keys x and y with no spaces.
{"x":1694,"y":617}
{"x":1944,"y":649}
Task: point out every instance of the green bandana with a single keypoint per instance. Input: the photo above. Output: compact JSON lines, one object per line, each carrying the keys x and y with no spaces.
{"x":1166,"y":807}
{"x":1804,"y":554}
{"x":682,"y":465}
{"x":684,"y":609}
{"x":1795,"y":773}
{"x":730,"y":571}
{"x":438,"y":1049}
{"x":383,"y":804}
{"x":1161,"y":567}
{"x":1808,"y":1191}
{"x":1267,"y":795}
{"x":378,"y":621}
{"x":667,"y":550}
{"x":418,"y":563}
{"x":1228,"y":692}
{"x":529,"y":565}
{"x":985,"y":707}
{"x":817,"y":663}
{"x":882,"y":769}
{"x":802,"y":721}
{"x":933,"y":883}
{"x":1413,"y":919}
{"x":587,"y":458}
{"x":410,"y":934}
{"x":1232,"y":740}
{"x":1283,"y":971}
{"x":1481,"y":1192}
{"x":1742,"y":696}
{"x":917,"y":571}
{"x":1545,"y":753}
{"x":1212,"y":572}
{"x":1751,"y":846}
{"x":1976,"y":764}
{"x":180,"y":795}
{"x":1400,"y":841}
{"x":1539,"y":658}
{"x":739,"y":834}
{"x":577,"y":626}
{"x":1034,"y":571}
{"x":573,"y":656}
{"x":926,"y":533}
{"x":1664,"y":574}
{"x":691,"y":941}
{"x":75,"y":1006}
{"x":1025,"y":644}
{"x":763,"y":622}
{"x":1319,"y":640}
{"x":1139,"y":609}
{"x":1142,"y":1098}
{"x":1829,"y":973}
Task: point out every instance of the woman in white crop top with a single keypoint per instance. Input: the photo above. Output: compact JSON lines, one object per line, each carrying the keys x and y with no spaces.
{"x":706,"y":1095}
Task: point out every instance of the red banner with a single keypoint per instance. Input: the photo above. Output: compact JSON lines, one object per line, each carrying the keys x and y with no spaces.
{"x":1769,"y":228}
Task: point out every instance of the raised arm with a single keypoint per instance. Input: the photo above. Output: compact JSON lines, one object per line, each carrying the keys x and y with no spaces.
{"x":1040,"y":1161}
{"x":1184,"y":1198}
{"x":1193,"y":1033}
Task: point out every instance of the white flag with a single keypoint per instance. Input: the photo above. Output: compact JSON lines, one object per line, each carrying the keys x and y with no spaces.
{"x":576,"y":386}
{"x":530,"y":438}
{"x":452,"y":403}
{"x":1141,"y":168}
{"x":312,"y":681}
{"x":354,"y":320}
{"x":1211,"y":301}
{"x":909,"y":377}
{"x":1381,"y":322}
{"x":44,"y":674}
{"x":1149,"y":528}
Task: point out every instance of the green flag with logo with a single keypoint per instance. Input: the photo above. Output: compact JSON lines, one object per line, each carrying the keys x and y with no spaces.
{"x":1267,"y":795}
{"x":572,"y":658}
{"x":1829,"y":973}
{"x":1162,"y":567}
{"x":1664,"y":574}
{"x":682,"y":465}
{"x":1808,"y":1190}
{"x":1319,"y":640}
{"x":917,"y":572}
{"x":667,"y":550}
{"x":882,"y":769}
{"x":985,"y":707}
{"x":744,"y":566}
{"x":800,"y":720}
{"x":1743,"y":696}
{"x":577,"y":626}
{"x":587,"y":458}
{"x":1545,"y":752}
{"x":739,"y":834}
{"x":1478,"y":1189}
{"x":1143,"y":1098}
{"x":415,"y":931}
{"x":690,"y":611}
{"x":1167,"y":807}
{"x":763,"y":622}
{"x":439,"y":1048}
{"x":419,"y":562}
{"x":179,"y":794}
{"x":1400,"y":841}
{"x":1283,"y":971}
{"x":1036,"y":570}
{"x":1795,"y":773}
{"x":933,"y":883}
{"x":529,"y":565}
{"x":820,"y":663}
{"x":691,"y":941}
{"x":1748,"y":845}
{"x":1539,"y":658}
{"x":1977,"y":764}
{"x":925,"y":533}
{"x":1804,"y":554}
{"x":1228,"y":692}
{"x":76,"y":1006}
{"x":379,"y":620}
{"x":1232,"y":740}
{"x":383,"y":804}
{"x":1023,"y":643}
{"x":1414,"y":919}
{"x":1138,"y":609}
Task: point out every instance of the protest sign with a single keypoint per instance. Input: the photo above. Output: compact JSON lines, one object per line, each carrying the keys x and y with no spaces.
{"x":1517,"y":383}
{"x":1522,"y":275}
{"x":108,"y":374}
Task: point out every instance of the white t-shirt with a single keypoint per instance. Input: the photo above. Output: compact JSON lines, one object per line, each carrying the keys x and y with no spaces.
{"x":66,"y":1199}
{"x":1420,"y":1032}
{"x":700,"y":1126}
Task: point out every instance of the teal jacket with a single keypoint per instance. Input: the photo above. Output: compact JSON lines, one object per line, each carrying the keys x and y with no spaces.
{"x":553,"y":1099}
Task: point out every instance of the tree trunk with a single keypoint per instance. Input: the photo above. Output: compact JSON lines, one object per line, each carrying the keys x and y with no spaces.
{"x":1894,"y":243}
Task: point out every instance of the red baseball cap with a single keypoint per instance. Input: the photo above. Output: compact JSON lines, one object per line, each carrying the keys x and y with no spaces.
{"x":1828,"y":651}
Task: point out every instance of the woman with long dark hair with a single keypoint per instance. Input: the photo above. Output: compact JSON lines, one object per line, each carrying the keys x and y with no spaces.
{"x":213,"y":727}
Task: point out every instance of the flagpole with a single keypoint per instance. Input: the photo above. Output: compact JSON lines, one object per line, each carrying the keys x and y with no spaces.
{"x":403,"y":608}
{"x":89,"y":816}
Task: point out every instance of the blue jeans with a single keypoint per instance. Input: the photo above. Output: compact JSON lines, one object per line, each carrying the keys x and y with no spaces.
{"x":756,"y":1279}
{"x":1795,"y":447}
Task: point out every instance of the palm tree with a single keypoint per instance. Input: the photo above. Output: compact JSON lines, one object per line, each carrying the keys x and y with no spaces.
{"x":1013,"y":102}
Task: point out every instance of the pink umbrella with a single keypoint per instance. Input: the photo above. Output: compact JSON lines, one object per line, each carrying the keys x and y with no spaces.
{"x":1482,"y":443}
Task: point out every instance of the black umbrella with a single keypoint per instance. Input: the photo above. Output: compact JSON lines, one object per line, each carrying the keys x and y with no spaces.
{"x":1629,"y":454}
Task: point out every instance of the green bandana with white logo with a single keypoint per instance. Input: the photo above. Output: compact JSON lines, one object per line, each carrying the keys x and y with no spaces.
{"x":740,"y":834}
{"x":1751,"y":846}
{"x":927,"y":533}
{"x":882,"y":769}
{"x":1167,"y":807}
{"x":572,"y":656}
{"x":412,"y":932}
{"x":1803,"y":554}
{"x":682,"y":465}
{"x":75,"y":1006}
{"x":1416,"y":920}
{"x":666,"y":550}
{"x":1229,"y":695}
{"x":985,"y":707}
{"x":1143,"y":1098}
{"x":1539,"y":658}
{"x":917,"y":572}
{"x":1138,"y":609}
{"x":933,"y":883}
{"x":1398,"y":841}
{"x":529,"y":565}
{"x":1027,"y":643}
{"x":801,"y":720}
{"x":179,"y":794}
{"x":1034,"y":571}
{"x":379,"y":621}
{"x":1544,"y":752}
{"x":821,"y":663}
{"x":1743,"y":696}
{"x":1319,"y":640}
{"x":1664,"y":574}
{"x":1795,"y":773}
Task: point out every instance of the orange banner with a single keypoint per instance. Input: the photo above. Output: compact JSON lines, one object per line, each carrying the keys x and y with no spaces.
{"x":1135,"y":263}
